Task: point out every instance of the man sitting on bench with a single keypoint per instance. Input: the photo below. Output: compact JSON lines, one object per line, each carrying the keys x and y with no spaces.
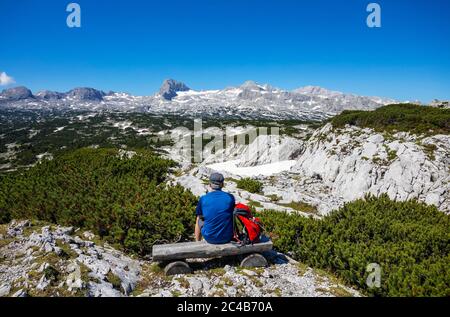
{"x":215,"y":213}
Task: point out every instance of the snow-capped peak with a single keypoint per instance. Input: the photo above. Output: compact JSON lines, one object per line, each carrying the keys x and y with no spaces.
{"x":248,"y":101}
{"x":316,"y":90}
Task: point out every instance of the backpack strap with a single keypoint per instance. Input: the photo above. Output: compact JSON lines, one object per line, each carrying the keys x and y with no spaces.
{"x":235,"y":228}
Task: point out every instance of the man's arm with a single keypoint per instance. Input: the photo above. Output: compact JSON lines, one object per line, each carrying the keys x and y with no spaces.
{"x":198,"y":231}
{"x":199,"y":213}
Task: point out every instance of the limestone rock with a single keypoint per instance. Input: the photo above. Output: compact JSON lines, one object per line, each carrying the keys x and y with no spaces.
{"x":170,"y":87}
{"x":21,"y":266}
{"x":354,"y":161}
{"x":20,"y":293}
{"x":74,"y":280}
{"x":4,"y":290}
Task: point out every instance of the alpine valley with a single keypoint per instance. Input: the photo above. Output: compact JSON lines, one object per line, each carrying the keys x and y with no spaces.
{"x":90,"y":180}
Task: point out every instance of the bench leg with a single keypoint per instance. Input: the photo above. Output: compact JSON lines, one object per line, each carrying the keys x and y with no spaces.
{"x":178,"y":267}
{"x":254,"y":260}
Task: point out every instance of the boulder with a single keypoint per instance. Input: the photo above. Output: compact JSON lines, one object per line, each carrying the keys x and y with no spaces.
{"x":4,"y":290}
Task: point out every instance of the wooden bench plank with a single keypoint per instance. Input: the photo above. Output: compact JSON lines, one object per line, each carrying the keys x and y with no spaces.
{"x":202,"y":249}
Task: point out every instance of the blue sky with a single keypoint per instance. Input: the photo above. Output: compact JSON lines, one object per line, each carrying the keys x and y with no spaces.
{"x":210,"y":44}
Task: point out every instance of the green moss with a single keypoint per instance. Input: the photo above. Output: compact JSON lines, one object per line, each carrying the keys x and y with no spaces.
{"x":183,"y":282}
{"x":216,"y":271}
{"x":301,"y":206}
{"x":339,"y":291}
{"x":302,"y":268}
{"x":3,"y":229}
{"x":34,"y":226}
{"x":257,"y":270}
{"x":50,"y":258}
{"x":253,"y":278}
{"x":51,"y":273}
{"x":254,"y":204}
{"x":34,"y":275}
{"x":66,"y":251}
{"x":392,"y":155}
{"x":4,"y":242}
{"x":227,"y":281}
{"x":114,"y":280}
{"x":429,"y":150}
{"x":219,"y":293}
{"x":150,"y":276}
{"x":176,"y":293}
{"x":377,"y":160}
{"x":156,"y":268}
{"x":256,"y":281}
{"x":277,"y":292}
{"x":240,"y":290}
{"x":274,"y":198}
{"x":84,"y":270}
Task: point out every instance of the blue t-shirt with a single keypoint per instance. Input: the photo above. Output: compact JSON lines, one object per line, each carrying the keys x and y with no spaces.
{"x":217,"y":209}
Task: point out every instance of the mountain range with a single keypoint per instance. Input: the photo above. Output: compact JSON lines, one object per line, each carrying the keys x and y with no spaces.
{"x":247,"y":101}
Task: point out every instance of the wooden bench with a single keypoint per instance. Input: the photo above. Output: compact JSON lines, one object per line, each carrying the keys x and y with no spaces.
{"x":176,"y":254}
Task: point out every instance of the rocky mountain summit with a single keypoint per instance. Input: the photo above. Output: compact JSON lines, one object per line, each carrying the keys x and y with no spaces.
{"x":38,"y":259}
{"x":170,"y":87}
{"x":252,"y":100}
{"x":77,"y":94}
{"x":50,"y":95}
{"x":16,"y":94}
{"x":86,"y":94}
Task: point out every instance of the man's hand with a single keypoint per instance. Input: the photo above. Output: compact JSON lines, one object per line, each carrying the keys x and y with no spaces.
{"x":198,"y":232}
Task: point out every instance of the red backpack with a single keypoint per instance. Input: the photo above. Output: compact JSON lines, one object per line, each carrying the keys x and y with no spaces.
{"x":251,"y":226}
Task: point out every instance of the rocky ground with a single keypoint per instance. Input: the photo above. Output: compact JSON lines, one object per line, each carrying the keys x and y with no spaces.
{"x":44,"y":260}
{"x":283,"y":279}
{"x":331,"y":167}
{"x":37,"y":259}
{"x":353,"y":162}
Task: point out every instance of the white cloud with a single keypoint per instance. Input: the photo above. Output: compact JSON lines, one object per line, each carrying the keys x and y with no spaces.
{"x":5,"y":79}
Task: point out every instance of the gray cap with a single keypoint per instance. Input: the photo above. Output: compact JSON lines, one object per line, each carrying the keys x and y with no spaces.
{"x":216,"y":179}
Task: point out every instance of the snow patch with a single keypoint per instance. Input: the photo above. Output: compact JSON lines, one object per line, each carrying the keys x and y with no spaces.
{"x":265,"y":169}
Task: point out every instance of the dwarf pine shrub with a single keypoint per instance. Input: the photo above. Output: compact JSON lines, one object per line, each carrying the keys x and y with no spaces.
{"x":250,"y":185}
{"x":398,"y":117}
{"x":124,"y":200}
{"x":409,"y":240}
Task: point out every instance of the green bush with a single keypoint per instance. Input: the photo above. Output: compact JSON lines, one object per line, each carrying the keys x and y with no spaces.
{"x":250,"y":185}
{"x":409,"y":240}
{"x":123,"y":200}
{"x":399,"y":117}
